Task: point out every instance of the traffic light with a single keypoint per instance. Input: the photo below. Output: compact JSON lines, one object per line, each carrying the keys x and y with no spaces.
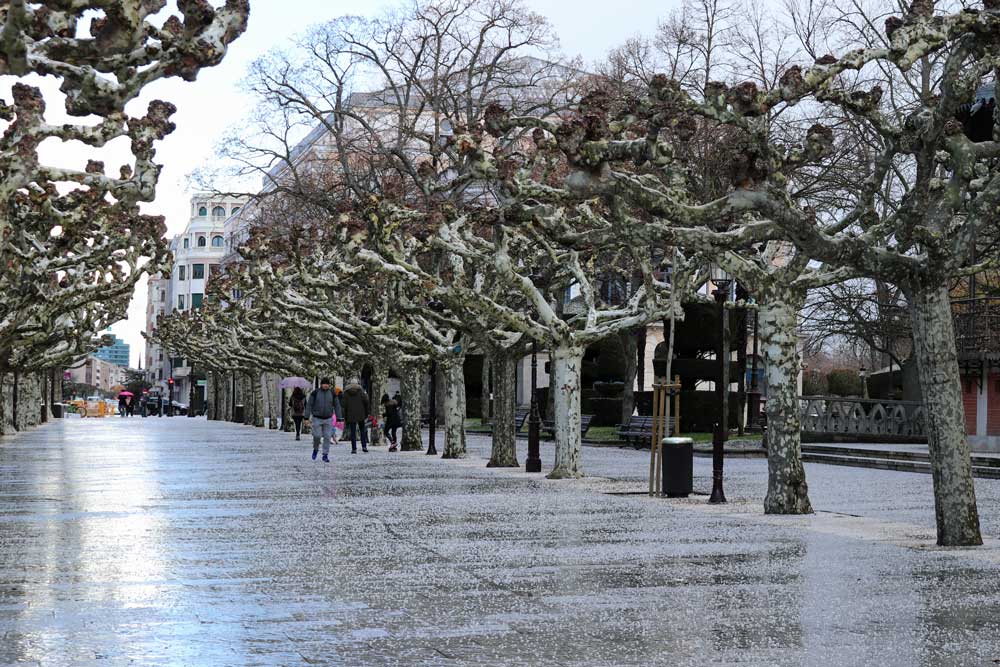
{"x":170,"y":380}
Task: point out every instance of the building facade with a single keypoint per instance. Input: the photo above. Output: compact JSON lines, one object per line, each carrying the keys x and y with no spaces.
{"x":117,"y":353}
{"x":197,"y":253}
{"x":98,"y":374}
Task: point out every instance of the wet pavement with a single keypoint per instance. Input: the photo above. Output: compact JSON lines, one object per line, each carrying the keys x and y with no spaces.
{"x":177,"y":541}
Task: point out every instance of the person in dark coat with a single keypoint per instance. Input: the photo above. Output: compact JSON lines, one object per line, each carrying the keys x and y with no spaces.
{"x":356,"y":411}
{"x":297,"y":404}
{"x":122,"y":406}
{"x":391,"y":422}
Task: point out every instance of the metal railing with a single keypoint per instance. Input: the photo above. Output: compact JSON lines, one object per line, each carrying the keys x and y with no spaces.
{"x":977,"y":325}
{"x":862,"y":416}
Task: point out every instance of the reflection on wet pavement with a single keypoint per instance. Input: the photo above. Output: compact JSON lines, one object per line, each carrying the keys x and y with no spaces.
{"x":184,"y":542}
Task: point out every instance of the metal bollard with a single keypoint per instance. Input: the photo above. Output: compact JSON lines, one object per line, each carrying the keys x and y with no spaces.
{"x":678,"y":467}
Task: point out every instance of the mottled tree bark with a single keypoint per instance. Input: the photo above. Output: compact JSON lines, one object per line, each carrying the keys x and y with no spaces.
{"x":951,"y":464}
{"x":787,"y":491}
{"x":504,"y":451}
{"x":410,"y":386}
{"x":258,"y":400}
{"x":247,"y":398}
{"x":566,"y":367}
{"x":629,"y":349}
{"x":454,"y":409}
{"x":484,"y":398}
{"x":271,"y":387}
{"x":380,"y":385}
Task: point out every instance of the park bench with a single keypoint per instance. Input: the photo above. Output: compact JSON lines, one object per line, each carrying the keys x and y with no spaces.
{"x":549,"y":427}
{"x":638,"y":430}
{"x":520,"y":417}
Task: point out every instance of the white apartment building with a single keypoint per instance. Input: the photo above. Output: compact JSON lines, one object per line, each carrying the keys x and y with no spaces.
{"x":197,"y":253}
{"x":97,"y":373}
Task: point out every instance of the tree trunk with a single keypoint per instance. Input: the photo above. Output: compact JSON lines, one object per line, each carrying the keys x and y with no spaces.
{"x":409,"y":390}
{"x":258,"y":400}
{"x":640,"y":358}
{"x":485,"y":416}
{"x":380,"y":385}
{"x":270,"y":386}
{"x":787,"y":491}
{"x":454,"y":409}
{"x":246,"y":398}
{"x":951,"y":464}
{"x":504,"y":451}
{"x":629,"y":345}
{"x":566,"y":368}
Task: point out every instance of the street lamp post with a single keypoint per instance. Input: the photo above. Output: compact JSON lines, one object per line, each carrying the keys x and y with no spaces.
{"x":432,"y":422}
{"x":722,"y":389}
{"x":534,"y":462}
{"x":191,"y":391}
{"x":170,"y":397}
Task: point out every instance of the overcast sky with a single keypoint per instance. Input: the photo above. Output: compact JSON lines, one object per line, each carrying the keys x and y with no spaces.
{"x":214,"y":102}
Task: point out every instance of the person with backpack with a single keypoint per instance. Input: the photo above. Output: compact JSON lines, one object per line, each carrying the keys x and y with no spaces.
{"x":297,"y":405}
{"x":322,"y":405}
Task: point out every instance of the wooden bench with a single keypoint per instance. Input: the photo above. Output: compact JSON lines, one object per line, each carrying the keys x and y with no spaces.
{"x":549,"y":427}
{"x":638,"y":430}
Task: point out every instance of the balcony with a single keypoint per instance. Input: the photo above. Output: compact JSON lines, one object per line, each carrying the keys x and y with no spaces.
{"x":977,"y":327}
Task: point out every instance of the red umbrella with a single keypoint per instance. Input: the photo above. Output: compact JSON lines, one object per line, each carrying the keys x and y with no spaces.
{"x":126,"y":393}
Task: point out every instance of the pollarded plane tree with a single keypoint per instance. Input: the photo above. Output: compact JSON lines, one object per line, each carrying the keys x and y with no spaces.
{"x":950,"y":197}
{"x":637,"y":154}
{"x":73,"y":241}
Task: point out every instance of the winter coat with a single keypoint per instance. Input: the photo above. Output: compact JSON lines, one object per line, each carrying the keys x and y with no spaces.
{"x":356,"y":406}
{"x":323,"y":404}
{"x":392,"y":418}
{"x":298,"y":406}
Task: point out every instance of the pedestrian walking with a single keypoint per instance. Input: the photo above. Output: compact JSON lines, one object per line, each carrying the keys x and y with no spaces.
{"x":391,"y":422}
{"x":143,"y":405}
{"x":121,"y":406}
{"x":129,"y":407}
{"x":356,"y":412}
{"x":297,"y":405}
{"x":320,"y":410}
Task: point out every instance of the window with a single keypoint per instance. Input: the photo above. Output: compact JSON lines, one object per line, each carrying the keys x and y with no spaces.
{"x":202,"y":211}
{"x":180,"y":302}
{"x":196,"y":300}
{"x":163,"y":295}
{"x":197,"y":272}
{"x":216,"y":241}
{"x":236,"y":209}
{"x":181,"y":272}
{"x":201,"y":242}
{"x":187,"y":243}
{"x":219,"y":212}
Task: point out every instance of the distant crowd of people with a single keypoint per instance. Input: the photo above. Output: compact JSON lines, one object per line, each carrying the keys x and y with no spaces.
{"x":334,"y":412}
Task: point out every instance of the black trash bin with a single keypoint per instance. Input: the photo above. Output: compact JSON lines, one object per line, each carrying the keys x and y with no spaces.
{"x":239,"y":414}
{"x":678,"y":467}
{"x":57,"y":410}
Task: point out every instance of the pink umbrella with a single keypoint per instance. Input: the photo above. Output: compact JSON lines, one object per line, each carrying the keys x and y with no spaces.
{"x":292,"y":382}
{"x":126,"y":393}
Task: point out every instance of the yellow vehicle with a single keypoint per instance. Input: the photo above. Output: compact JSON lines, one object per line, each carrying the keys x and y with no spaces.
{"x":93,"y":406}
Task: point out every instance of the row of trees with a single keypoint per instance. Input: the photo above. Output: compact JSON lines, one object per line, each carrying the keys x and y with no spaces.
{"x":480,"y":185}
{"x":73,"y":243}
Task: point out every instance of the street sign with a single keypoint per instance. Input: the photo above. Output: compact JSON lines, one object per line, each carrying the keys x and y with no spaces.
{"x":202,"y":383}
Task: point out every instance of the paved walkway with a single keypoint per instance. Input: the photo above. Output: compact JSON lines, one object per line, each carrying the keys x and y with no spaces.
{"x":184,"y":542}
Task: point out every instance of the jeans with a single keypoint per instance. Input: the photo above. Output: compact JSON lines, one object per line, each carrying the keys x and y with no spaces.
{"x":322,"y":427}
{"x":390,"y":433}
{"x":354,"y":428}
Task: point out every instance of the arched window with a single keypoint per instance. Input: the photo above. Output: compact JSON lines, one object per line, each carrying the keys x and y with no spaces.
{"x":216,"y":241}
{"x":201,"y":242}
{"x":202,"y":211}
{"x":219,"y":212}
{"x":236,"y":210}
